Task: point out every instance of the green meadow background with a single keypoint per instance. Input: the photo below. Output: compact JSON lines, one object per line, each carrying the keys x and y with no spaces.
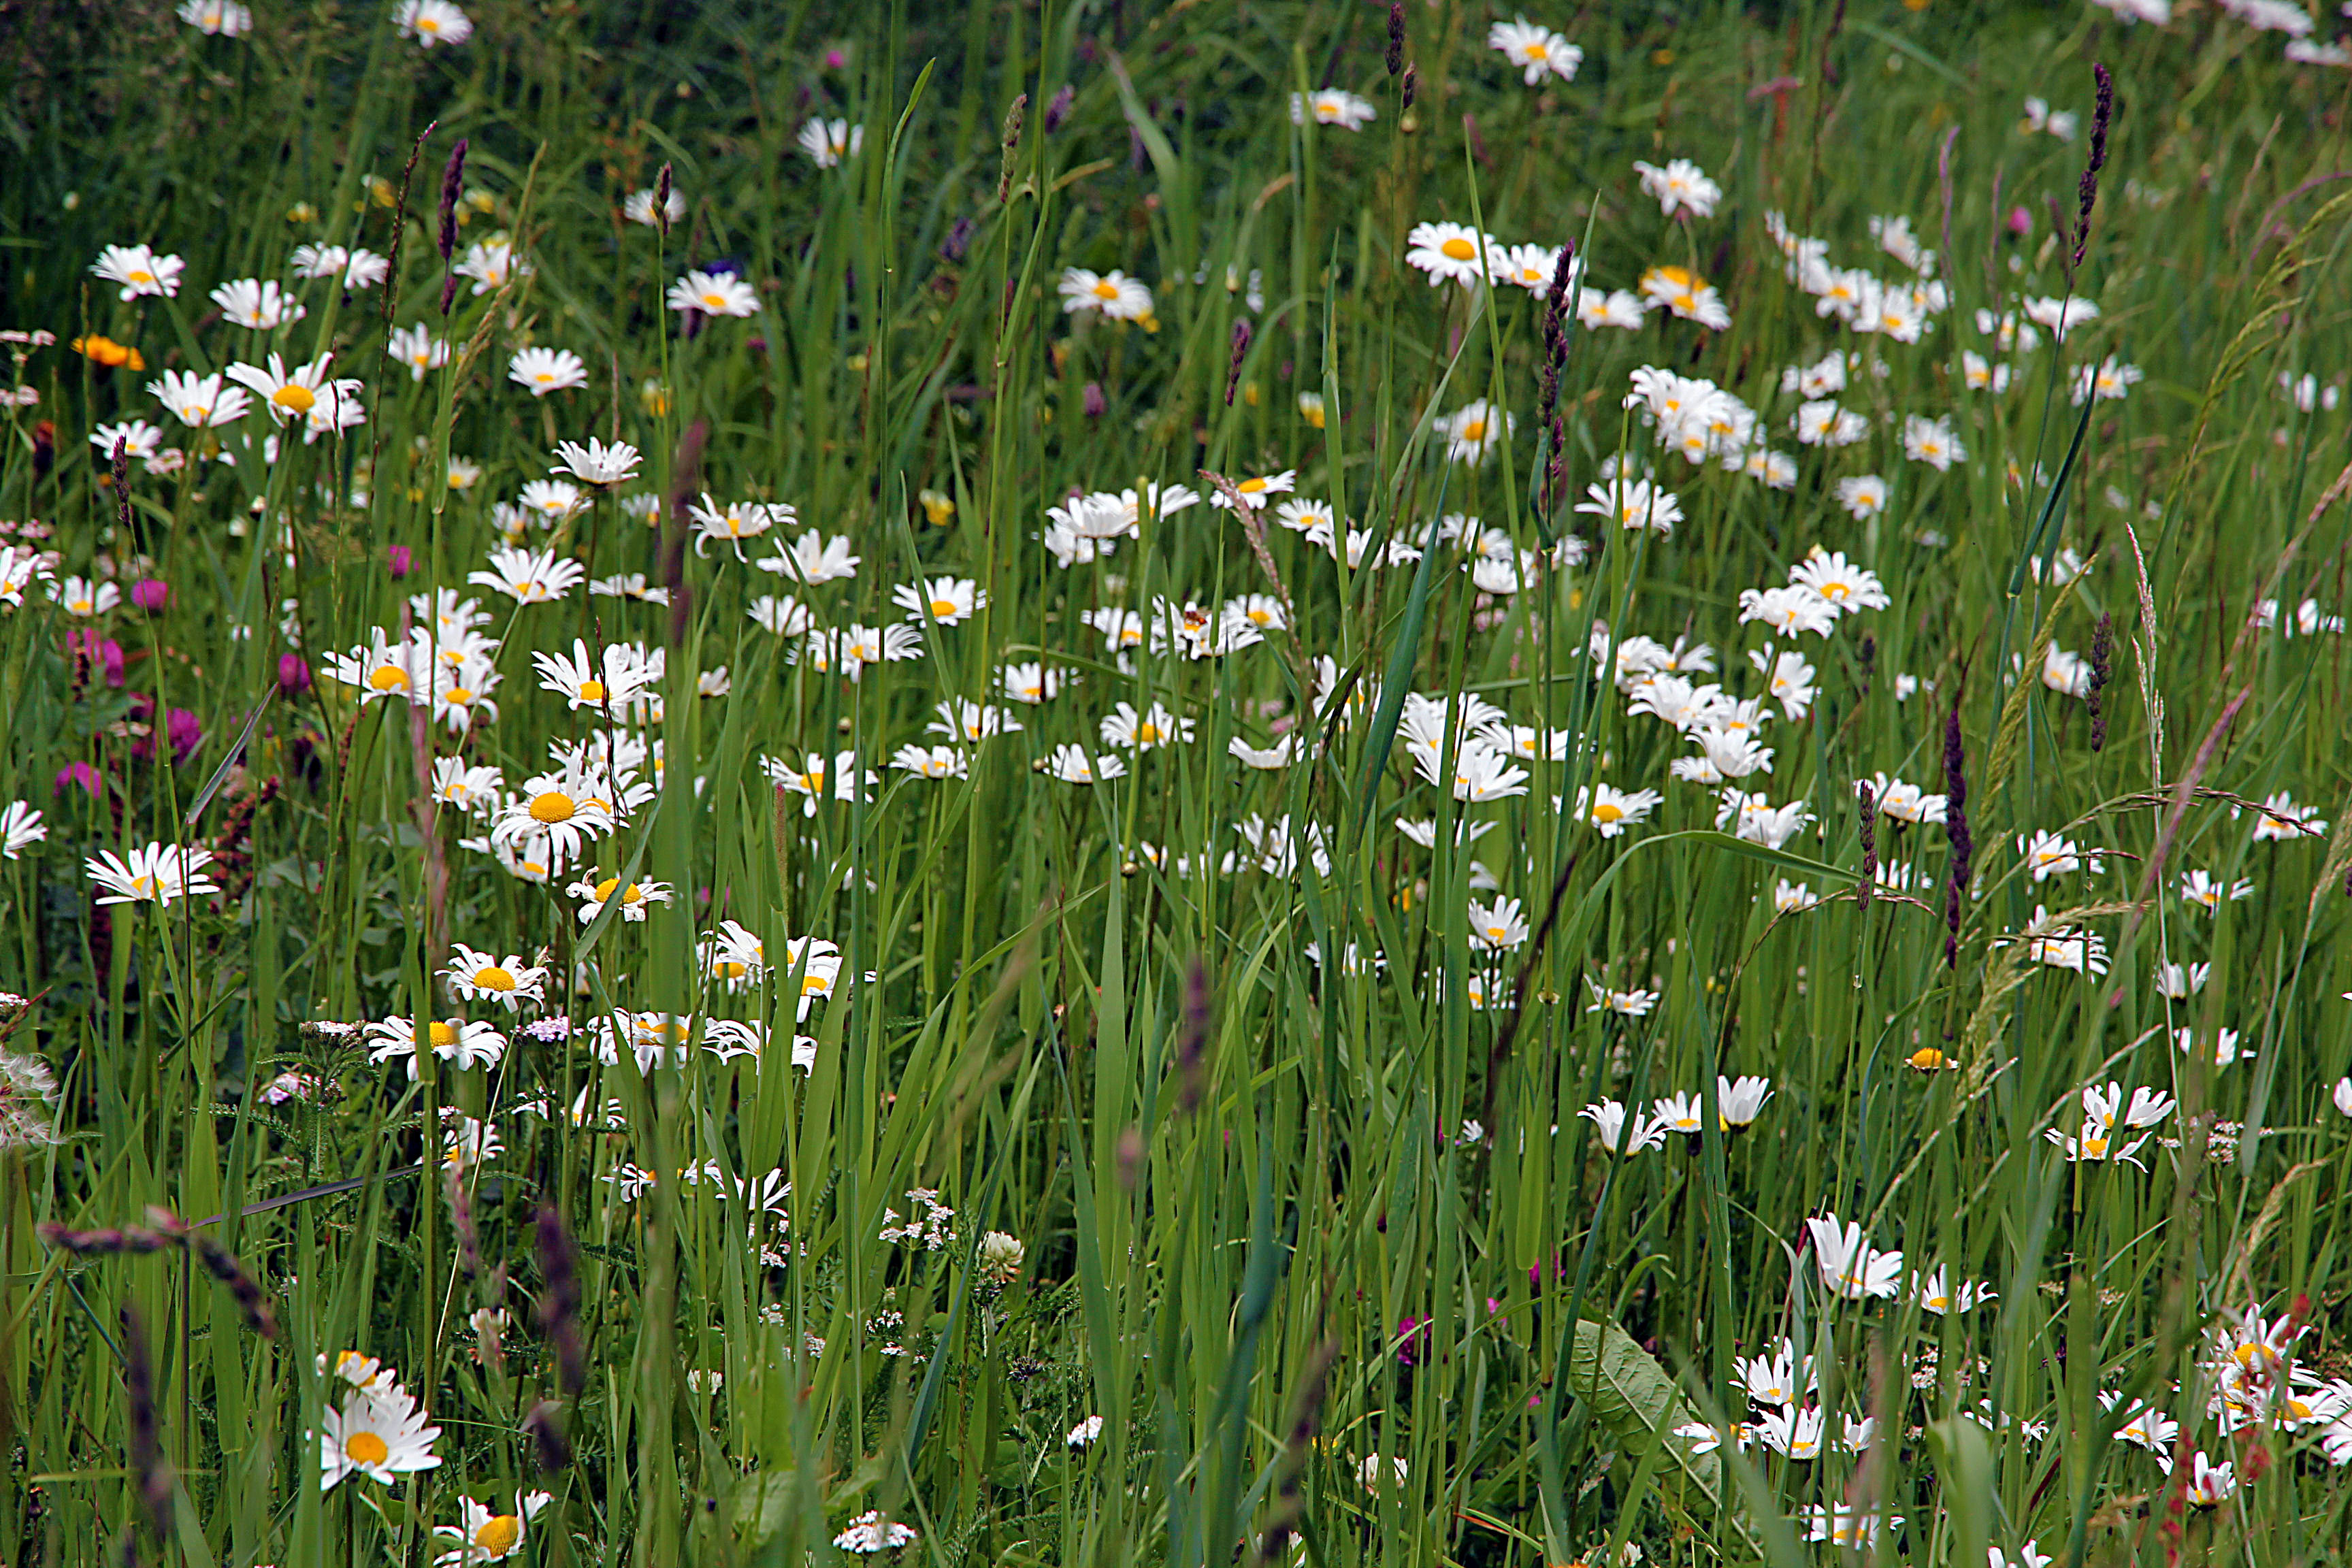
{"x":1260,"y":1243}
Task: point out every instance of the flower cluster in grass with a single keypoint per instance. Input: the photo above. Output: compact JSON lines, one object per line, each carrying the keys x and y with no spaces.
{"x":1498,"y":792}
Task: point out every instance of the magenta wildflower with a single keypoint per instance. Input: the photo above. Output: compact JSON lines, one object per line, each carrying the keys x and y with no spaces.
{"x":103,"y":653}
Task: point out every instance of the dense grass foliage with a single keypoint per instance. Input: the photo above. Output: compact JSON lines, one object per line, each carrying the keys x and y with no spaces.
{"x":1589,"y":800}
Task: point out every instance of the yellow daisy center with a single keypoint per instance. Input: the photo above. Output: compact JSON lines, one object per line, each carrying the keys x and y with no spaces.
{"x":1146,"y":734}
{"x":141,"y":275}
{"x":1927,"y":1059}
{"x":1458,"y":249}
{"x":439,"y":1034}
{"x":1106,"y":290}
{"x":1475,"y":431}
{"x":1607,"y":811}
{"x":365,"y":1448}
{"x":82,"y":607}
{"x":592,"y":691}
{"x":554,"y":806}
{"x":714,"y":301}
{"x":2097,"y":1148}
{"x":1496,"y":934}
{"x":428,"y":24}
{"x":943,"y":608}
{"x":295,"y":398}
{"x":143,"y":886}
{"x":492,"y":977}
{"x":544,"y":377}
{"x":501,"y":1535}
{"x":815,"y":985}
{"x":1537,"y":51}
{"x":730,"y":969}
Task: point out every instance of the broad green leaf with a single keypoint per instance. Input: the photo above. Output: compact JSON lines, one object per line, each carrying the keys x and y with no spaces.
{"x":1965,"y":1458}
{"x":1631,"y":1394}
